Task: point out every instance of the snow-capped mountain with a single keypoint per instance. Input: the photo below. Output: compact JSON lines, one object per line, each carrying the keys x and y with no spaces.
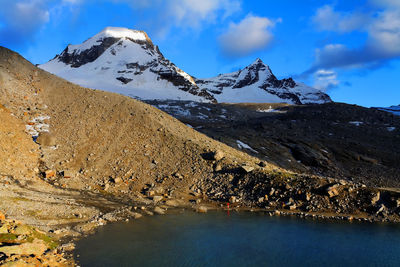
{"x":127,"y":62}
{"x":392,"y":109}
{"x":256,"y":83}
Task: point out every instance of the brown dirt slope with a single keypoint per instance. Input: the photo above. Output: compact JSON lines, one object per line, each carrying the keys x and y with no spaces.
{"x":102,"y":137}
{"x":18,"y":154}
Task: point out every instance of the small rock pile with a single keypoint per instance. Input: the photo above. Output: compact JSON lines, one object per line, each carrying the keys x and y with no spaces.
{"x":22,"y":245}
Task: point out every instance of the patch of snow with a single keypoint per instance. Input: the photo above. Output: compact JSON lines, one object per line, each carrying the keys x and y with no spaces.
{"x":202,"y":116}
{"x":114,"y":32}
{"x":391,"y":129}
{"x":37,"y":126}
{"x":270,"y":109}
{"x":191,"y":104}
{"x":356,"y":123}
{"x":242,"y":145}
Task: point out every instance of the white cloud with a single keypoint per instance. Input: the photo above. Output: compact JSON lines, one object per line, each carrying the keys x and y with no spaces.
{"x":384,"y":33}
{"x":185,"y":14}
{"x":386,"y":3}
{"x":191,"y":13}
{"x":327,"y":19}
{"x":249,"y":35}
{"x":325,"y":79}
{"x":383,"y":37}
{"x":22,"y":19}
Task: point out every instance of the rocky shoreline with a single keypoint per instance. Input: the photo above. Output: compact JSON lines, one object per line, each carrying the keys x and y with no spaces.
{"x":58,"y":251}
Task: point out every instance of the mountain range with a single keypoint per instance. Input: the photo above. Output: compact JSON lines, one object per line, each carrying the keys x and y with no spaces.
{"x":127,"y":62}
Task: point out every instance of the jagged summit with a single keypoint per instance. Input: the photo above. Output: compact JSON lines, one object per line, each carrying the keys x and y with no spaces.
{"x":127,"y":62}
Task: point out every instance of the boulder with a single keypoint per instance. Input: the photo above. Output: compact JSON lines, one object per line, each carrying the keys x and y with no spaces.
{"x":262,"y":164}
{"x":4,"y":229}
{"x":2,"y":216}
{"x":376,"y":198}
{"x":37,"y":247}
{"x":332,"y":191}
{"x":173,"y":203}
{"x":247,"y":168}
{"x":136,"y":215}
{"x":22,"y":230}
{"x":150,"y":193}
{"x":159,"y":211}
{"x":157,"y":199}
{"x":381,"y":209}
{"x":201,"y":209}
{"x":159,"y":190}
{"x":217,"y":167}
{"x":218,"y":155}
{"x":50,"y":173}
{"x":46,"y":139}
{"x":397,"y":203}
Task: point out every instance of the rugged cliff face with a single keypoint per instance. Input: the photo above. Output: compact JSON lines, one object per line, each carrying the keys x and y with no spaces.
{"x":127,"y":62}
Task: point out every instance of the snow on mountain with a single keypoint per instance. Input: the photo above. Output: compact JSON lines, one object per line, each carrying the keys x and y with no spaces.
{"x":256,"y":83}
{"x":392,"y":109}
{"x":127,"y":62}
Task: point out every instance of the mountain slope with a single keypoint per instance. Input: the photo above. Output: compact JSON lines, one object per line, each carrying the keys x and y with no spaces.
{"x":127,"y":62}
{"x":257,"y":84}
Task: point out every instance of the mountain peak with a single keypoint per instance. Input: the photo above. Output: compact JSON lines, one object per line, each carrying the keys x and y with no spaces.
{"x":259,"y":64}
{"x":257,"y":61}
{"x":118,"y":32}
{"x":110,"y":35}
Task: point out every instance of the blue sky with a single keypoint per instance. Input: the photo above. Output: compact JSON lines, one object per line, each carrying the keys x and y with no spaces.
{"x":351,"y":49}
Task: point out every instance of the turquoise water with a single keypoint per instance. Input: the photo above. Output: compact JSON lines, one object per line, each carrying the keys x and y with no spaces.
{"x":240,"y":239}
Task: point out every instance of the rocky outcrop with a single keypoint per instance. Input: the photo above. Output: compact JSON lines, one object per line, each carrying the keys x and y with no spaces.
{"x":22,"y":245}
